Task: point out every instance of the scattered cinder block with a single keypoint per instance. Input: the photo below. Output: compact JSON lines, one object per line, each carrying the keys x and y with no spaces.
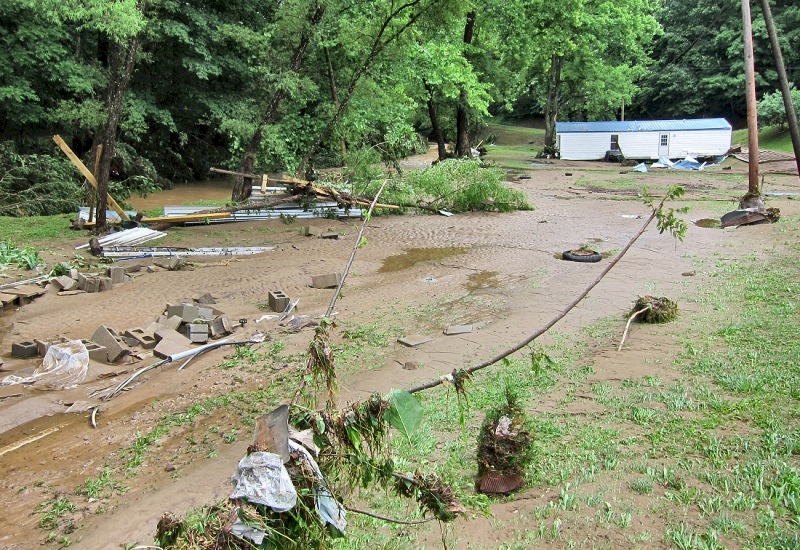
{"x":135,"y":268}
{"x":187,"y":312}
{"x":330,"y":280}
{"x":92,"y":284}
{"x":204,"y":298}
{"x":24,"y":350}
{"x":81,"y":281}
{"x":169,"y":334}
{"x":144,"y":339}
{"x":109,"y":339}
{"x":169,"y":321}
{"x":198,"y":333}
{"x":278,"y":300}
{"x":96,"y":351}
{"x":105,"y":284}
{"x":329,"y":235}
{"x":458,"y":329}
{"x":205,"y":313}
{"x":117,"y":274}
{"x":220,"y":327}
{"x":42,"y":345}
{"x":176,"y":263}
{"x":64,"y":283}
{"x":414,"y":341}
{"x":154,"y":269}
{"x":167,"y":347}
{"x":305,"y":231}
{"x":73,"y":274}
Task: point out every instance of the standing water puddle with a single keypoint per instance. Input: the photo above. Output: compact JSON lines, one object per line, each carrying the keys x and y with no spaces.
{"x":482,"y":280}
{"x":413,"y":256}
{"x":708,"y":223}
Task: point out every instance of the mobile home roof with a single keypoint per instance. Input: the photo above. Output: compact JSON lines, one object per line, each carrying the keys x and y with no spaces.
{"x":614,"y":126}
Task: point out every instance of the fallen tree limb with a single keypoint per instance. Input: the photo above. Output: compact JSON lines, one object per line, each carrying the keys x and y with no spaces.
{"x":384,"y":518}
{"x":556,"y":319}
{"x":628,"y":326}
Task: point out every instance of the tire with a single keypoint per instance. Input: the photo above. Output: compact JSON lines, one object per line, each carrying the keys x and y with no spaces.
{"x":584,"y":256}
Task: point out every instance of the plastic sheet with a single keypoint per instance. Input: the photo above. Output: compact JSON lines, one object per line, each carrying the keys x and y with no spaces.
{"x":64,"y":366}
{"x":261,"y":478}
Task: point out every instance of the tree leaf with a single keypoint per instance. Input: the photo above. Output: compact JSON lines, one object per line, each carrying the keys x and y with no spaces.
{"x":404,"y":412}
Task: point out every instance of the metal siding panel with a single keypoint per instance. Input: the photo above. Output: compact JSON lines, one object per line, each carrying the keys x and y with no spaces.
{"x":708,"y":143}
{"x":639,"y":145}
{"x":584,"y":146}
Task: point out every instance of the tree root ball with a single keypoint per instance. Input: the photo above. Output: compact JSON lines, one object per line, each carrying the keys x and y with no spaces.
{"x":657,"y":310}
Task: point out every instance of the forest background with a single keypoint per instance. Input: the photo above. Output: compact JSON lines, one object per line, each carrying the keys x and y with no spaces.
{"x":172,"y":88}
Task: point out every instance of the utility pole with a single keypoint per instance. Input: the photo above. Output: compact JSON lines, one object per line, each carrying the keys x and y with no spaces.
{"x":791,"y":115}
{"x":752,"y":108}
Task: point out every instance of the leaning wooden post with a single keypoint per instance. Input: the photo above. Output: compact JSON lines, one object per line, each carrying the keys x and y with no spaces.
{"x":752,"y":105}
{"x":88,"y":175}
{"x":791,"y":115}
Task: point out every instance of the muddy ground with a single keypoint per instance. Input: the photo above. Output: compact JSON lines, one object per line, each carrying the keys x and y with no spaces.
{"x":417,"y":274}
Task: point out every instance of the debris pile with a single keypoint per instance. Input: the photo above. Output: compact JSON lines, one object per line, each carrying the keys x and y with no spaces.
{"x":655,"y":310}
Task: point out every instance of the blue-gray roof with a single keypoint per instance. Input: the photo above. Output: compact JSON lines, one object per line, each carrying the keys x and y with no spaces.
{"x":616,"y":126}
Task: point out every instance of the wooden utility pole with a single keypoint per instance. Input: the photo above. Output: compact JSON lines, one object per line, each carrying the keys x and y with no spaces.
{"x":752,"y":106}
{"x":791,"y":115}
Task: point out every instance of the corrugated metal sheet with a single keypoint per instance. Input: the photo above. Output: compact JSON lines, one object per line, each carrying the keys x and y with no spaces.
{"x":616,"y":126}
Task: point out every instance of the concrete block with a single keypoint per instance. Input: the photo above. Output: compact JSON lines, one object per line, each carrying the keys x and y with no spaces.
{"x":329,"y":235}
{"x":204,"y":298}
{"x":96,"y":351}
{"x":169,"y":334}
{"x":452,"y":330}
{"x":81,"y":281}
{"x":117,"y":274}
{"x":73,"y":274}
{"x":92,"y":284}
{"x":330,"y":280}
{"x":105,"y":284}
{"x":278,"y":300}
{"x":64,"y":283}
{"x":205,"y":313}
{"x":198,"y":333}
{"x":176,"y":263}
{"x":305,"y":231}
{"x":154,"y":269}
{"x":135,"y":268}
{"x":154,"y":327}
{"x":24,"y":350}
{"x":187,"y":312}
{"x":109,"y":339}
{"x":42,"y":345}
{"x":414,"y":340}
{"x":144,"y":339}
{"x":172,"y":322}
{"x":167,"y":347}
{"x":220,"y":327}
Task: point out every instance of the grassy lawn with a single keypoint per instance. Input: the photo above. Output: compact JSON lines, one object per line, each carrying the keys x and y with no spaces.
{"x":772,"y":138}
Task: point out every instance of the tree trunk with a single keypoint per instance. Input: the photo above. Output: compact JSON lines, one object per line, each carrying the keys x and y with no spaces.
{"x":752,"y":104}
{"x":437,"y":129}
{"x":552,"y":99}
{"x":334,"y":95}
{"x":243,"y":186}
{"x":122,"y":58}
{"x":463,"y":148}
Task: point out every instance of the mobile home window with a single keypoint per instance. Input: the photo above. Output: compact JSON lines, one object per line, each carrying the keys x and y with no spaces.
{"x":615,"y":142}
{"x":664,"y":138}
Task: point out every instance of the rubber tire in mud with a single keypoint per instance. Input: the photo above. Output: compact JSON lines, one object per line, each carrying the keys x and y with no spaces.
{"x":570,"y":255}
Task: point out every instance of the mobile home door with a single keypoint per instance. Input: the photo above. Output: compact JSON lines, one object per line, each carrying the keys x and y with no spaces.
{"x":663,"y":145}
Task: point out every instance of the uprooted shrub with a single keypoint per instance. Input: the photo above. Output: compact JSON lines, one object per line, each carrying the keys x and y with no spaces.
{"x":656,"y":310}
{"x":505,"y":447}
{"x":456,"y":185}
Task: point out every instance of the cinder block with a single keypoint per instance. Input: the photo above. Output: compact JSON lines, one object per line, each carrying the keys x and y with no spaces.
{"x":187,"y":312}
{"x":145,"y":339}
{"x":92,"y":284}
{"x":64,"y":283}
{"x":330,"y":280}
{"x":73,"y":274}
{"x":105,"y":284}
{"x":172,"y":322}
{"x":198,"y":333}
{"x":109,"y":339}
{"x":42,"y":345}
{"x":81,"y":281}
{"x":329,"y":235}
{"x":220,"y":327}
{"x":204,"y":298}
{"x":174,"y":335}
{"x":305,"y":231}
{"x":205,"y":313}
{"x":135,"y":268}
{"x":24,"y":350}
{"x":117,"y":274}
{"x":96,"y":351}
{"x":167,"y":347}
{"x":278,"y":300}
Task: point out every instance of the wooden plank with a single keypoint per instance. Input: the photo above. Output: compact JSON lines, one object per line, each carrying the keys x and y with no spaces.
{"x":88,"y":175}
{"x":93,"y":194}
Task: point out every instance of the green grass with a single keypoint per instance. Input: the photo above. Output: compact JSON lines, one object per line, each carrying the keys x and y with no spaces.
{"x":35,"y":230}
{"x":771,"y":137}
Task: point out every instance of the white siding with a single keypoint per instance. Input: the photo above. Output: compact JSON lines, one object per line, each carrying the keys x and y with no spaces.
{"x":644,"y":145}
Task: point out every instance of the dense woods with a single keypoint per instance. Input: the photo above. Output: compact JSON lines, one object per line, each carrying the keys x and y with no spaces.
{"x":170,"y":88}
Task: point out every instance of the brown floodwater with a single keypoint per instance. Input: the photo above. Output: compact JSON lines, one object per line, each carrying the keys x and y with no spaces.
{"x":217,"y":189}
{"x":415,"y":255}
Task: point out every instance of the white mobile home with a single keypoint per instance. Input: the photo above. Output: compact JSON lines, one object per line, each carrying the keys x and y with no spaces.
{"x":643,"y":140}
